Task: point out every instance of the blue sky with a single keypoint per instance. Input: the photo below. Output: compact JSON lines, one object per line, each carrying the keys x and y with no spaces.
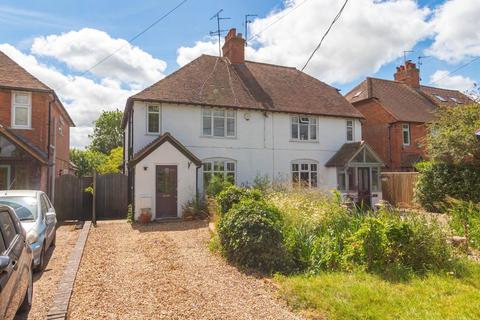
{"x":429,"y":32}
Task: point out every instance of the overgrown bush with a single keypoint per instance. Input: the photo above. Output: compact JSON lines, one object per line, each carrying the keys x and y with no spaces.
{"x":233,"y":194}
{"x":130,"y":217}
{"x":439,"y":180}
{"x":216,"y":185}
{"x":261,"y":183}
{"x":251,"y":236}
{"x":195,"y":209}
{"x":465,"y":220}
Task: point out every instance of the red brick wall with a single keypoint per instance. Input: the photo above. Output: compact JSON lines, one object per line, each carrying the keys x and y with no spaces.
{"x":38,"y":135}
{"x":381,"y":131}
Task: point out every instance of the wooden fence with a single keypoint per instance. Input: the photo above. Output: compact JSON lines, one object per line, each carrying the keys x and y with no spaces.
{"x":72,"y":202}
{"x":397,"y":188}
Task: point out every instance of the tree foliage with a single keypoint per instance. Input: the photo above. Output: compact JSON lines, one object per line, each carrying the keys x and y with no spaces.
{"x":86,"y":160}
{"x":451,"y":136}
{"x":112,"y":163}
{"x":107,"y":132}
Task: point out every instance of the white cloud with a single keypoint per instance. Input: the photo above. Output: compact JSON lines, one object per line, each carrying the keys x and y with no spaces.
{"x":83,"y":98}
{"x":457,"y":30}
{"x":369,"y":34}
{"x":82,"y":49}
{"x":187,"y":54}
{"x":443,"y":79}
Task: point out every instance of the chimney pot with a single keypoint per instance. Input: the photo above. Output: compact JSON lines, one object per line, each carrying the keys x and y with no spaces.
{"x":408,"y":74}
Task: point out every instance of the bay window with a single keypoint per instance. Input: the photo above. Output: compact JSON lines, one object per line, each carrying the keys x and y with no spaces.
{"x":21,"y":110}
{"x":218,"y":123}
{"x":304,"y":128}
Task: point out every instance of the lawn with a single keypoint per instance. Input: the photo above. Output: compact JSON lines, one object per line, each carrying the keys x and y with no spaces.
{"x":340,"y":295}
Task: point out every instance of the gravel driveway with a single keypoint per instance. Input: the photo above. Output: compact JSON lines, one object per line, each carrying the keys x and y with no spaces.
{"x":45,"y":283}
{"x":164,"y":271}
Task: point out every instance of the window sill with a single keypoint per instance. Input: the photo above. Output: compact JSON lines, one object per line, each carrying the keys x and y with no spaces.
{"x":152,"y":133}
{"x":21,"y":128}
{"x":224,"y":138}
{"x":304,"y":141}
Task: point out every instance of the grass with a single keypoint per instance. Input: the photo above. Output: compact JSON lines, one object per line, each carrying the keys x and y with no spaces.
{"x":340,"y":295}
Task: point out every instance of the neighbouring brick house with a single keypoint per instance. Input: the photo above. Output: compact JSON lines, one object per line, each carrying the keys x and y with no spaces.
{"x":34,"y":131}
{"x":396,"y":113}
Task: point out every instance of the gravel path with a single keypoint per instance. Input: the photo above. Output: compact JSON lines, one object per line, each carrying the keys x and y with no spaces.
{"x":164,"y":271}
{"x":45,"y":283}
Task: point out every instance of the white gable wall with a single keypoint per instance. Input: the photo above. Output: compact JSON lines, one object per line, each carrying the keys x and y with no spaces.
{"x":145,"y":185}
{"x":262,"y":145}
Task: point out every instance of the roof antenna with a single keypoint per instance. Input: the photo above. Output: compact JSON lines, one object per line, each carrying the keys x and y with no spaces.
{"x":405,"y":56}
{"x":219,"y":31}
{"x":420,"y":58}
{"x":247,"y":21}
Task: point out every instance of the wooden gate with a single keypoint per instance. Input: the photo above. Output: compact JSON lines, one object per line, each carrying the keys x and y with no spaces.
{"x":111,"y":196}
{"x":71,"y":202}
{"x":397,"y":188}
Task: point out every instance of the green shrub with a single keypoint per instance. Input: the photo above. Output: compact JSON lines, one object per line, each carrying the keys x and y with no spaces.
{"x":251,"y":236}
{"x":216,"y":185}
{"x":261,"y":183}
{"x":465,"y":220}
{"x":233,"y":194}
{"x":439,"y":180}
{"x":130,"y":217}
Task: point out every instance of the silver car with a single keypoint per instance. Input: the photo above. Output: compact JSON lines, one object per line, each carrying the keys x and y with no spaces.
{"x":38,"y":218}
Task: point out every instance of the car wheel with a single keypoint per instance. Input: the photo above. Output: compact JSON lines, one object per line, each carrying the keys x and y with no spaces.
{"x":27,"y":300}
{"x":42,"y":260}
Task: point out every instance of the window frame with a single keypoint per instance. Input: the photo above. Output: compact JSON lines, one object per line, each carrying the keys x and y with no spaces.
{"x":225,"y":171}
{"x":309,"y":126}
{"x":406,"y":128}
{"x":225,"y":117}
{"x":352,"y":127}
{"x":28,"y":106}
{"x":15,"y":230}
{"x":159,"y":113}
{"x":299,"y":170}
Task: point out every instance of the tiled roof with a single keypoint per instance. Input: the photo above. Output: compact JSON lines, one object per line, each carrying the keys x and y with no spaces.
{"x":214,"y":81}
{"x":149,"y":148}
{"x":14,"y":76}
{"x":344,"y":154}
{"x":404,"y":102}
{"x":24,"y":144}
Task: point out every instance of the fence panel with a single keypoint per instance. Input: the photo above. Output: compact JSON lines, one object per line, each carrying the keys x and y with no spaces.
{"x":397,"y":188}
{"x":111,"y":196}
{"x":71,"y":202}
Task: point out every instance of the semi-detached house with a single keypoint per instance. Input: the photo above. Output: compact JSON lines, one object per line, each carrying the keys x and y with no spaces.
{"x":239,"y":119}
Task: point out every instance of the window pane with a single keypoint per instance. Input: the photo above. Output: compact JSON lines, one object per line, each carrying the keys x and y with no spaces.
{"x":230,"y":166}
{"x":313,"y":179}
{"x":7,"y":228}
{"x":341,"y":181}
{"x":352,"y":185}
{"x":303,"y":131}
{"x":207,"y":166}
{"x":295,"y":167}
{"x":21,"y":116}
{"x":294,"y":130}
{"x":207,"y":112}
{"x":21,"y":98}
{"x":304,"y":179}
{"x":219,"y":166}
{"x":294,"y":119}
{"x":219,"y":113}
{"x":359,"y":157}
{"x":313,"y":121}
{"x":230,"y":127}
{"x":313,"y":167}
{"x":295,"y":177}
{"x":304,"y":166}
{"x":153,"y":109}
{"x":153,"y":122}
{"x":231,"y":177}
{"x":207,"y":125}
{"x":349,"y":134}
{"x":231,"y":114}
{"x":369,"y":157}
{"x":313,"y":132}
{"x":206,"y":179}
{"x":375,"y":179}
{"x":218,"y":127}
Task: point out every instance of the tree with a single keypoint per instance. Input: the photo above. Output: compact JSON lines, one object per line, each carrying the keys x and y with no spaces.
{"x":86,"y":161}
{"x":107,"y":132}
{"x":112,"y":163}
{"x":451,"y":136}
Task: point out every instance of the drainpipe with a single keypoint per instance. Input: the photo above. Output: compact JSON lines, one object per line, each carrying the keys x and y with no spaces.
{"x":196,"y":184}
{"x":49,"y":182}
{"x":390,"y":145}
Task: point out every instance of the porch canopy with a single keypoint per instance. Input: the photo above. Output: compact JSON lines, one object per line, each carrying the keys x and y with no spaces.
{"x":358,"y":168}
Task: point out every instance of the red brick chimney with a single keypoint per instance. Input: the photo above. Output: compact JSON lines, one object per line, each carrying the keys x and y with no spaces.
{"x":408,"y":74}
{"x":234,"y":47}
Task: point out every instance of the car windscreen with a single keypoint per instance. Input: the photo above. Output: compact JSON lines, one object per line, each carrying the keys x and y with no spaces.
{"x":25,"y":207}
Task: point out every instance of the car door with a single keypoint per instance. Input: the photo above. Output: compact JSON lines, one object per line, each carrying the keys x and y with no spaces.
{"x":13,"y":282}
{"x":49,"y":221}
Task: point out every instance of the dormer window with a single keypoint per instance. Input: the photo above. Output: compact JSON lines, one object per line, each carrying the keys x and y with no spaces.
{"x":455,"y":100}
{"x":304,"y":128}
{"x":21,"y":110}
{"x":439,"y":97}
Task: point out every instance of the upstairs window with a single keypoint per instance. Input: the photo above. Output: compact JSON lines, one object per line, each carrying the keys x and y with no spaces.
{"x":21,"y":110}
{"x":304,"y":128}
{"x":350,"y":133}
{"x":153,"y":119}
{"x":218,"y":123}
{"x":304,"y":174}
{"x":406,"y":134}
